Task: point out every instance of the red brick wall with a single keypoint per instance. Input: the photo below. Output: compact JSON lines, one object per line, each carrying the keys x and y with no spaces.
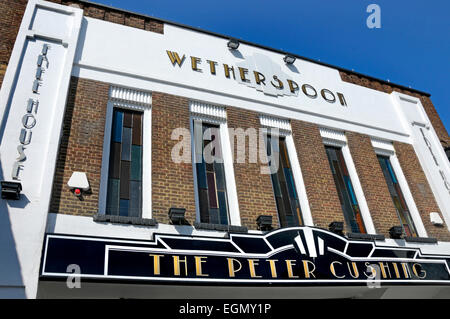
{"x":81,"y":146}
{"x":172,"y":183}
{"x":116,"y":16}
{"x":317,"y":176}
{"x":420,"y":189}
{"x":254,"y":190}
{"x":373,"y":183}
{"x":11,"y":13}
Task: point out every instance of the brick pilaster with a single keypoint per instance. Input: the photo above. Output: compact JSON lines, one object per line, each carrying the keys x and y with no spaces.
{"x":81,"y":146}
{"x":254,"y":190}
{"x":317,"y":176}
{"x":373,"y":183}
{"x":172,"y":183}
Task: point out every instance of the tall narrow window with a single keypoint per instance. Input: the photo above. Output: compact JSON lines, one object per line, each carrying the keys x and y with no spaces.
{"x":347,"y":197}
{"x":124,"y":196}
{"x":286,"y":197}
{"x":397,"y":196}
{"x":212,"y":191}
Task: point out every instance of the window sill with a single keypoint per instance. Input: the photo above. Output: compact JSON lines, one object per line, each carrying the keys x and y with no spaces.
{"x":137,"y":221}
{"x":365,"y":237}
{"x":219,"y":227}
{"x":426,"y":240}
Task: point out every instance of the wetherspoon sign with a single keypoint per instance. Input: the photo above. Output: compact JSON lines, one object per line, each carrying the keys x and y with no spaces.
{"x":259,"y":72}
{"x":302,"y":255}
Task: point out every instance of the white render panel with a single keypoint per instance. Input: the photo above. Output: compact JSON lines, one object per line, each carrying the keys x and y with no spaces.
{"x":23,"y":222}
{"x":428,"y":148}
{"x":142,"y":58}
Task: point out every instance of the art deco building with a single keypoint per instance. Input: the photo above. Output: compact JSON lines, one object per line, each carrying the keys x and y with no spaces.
{"x":141,"y":158}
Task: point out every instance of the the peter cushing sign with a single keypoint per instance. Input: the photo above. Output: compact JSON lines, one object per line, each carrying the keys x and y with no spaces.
{"x":300,"y":255}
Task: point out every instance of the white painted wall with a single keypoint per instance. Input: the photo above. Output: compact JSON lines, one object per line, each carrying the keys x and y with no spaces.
{"x":23,"y":222}
{"x":139,"y":57}
{"x":431,"y":155}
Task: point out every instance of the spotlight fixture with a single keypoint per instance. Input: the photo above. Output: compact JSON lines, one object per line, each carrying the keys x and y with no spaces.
{"x":396,"y":232}
{"x":264,"y":222}
{"x":176,"y":216}
{"x":336,"y":227}
{"x":289,"y":59}
{"x":233,"y":44}
{"x":11,"y":190}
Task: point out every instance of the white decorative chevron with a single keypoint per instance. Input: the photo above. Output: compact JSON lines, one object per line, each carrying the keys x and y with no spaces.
{"x":208,"y":110}
{"x":310,"y":242}
{"x":313,"y":251}
{"x":333,"y":137}
{"x":269,"y":121}
{"x":131,"y":96}
{"x":383,"y":147}
{"x":300,"y":245}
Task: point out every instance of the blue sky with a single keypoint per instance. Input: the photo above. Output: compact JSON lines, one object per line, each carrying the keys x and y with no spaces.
{"x":412,"y":47}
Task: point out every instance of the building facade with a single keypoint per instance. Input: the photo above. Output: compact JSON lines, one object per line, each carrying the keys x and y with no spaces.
{"x":156,"y":160}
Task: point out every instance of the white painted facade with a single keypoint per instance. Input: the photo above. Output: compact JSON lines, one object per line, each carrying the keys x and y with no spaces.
{"x":137,"y":60}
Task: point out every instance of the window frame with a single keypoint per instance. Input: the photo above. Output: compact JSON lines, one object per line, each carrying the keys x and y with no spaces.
{"x":146,"y":156}
{"x":385,"y":148}
{"x":338,"y":139}
{"x":234,"y":217}
{"x":296,"y":173}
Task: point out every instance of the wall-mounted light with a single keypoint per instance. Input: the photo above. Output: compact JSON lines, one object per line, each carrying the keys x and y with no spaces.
{"x":11,"y":190}
{"x":264,"y":222}
{"x":396,"y":232}
{"x":436,"y":219}
{"x":176,"y":216}
{"x":78,"y":184}
{"x":336,"y":227}
{"x":289,"y":59}
{"x":233,"y":44}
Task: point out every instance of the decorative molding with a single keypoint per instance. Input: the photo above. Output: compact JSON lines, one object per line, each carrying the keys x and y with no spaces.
{"x":333,"y":137}
{"x":207,"y":119}
{"x":208,"y":110}
{"x":383,"y":147}
{"x":129,"y":97}
{"x":269,"y":121}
